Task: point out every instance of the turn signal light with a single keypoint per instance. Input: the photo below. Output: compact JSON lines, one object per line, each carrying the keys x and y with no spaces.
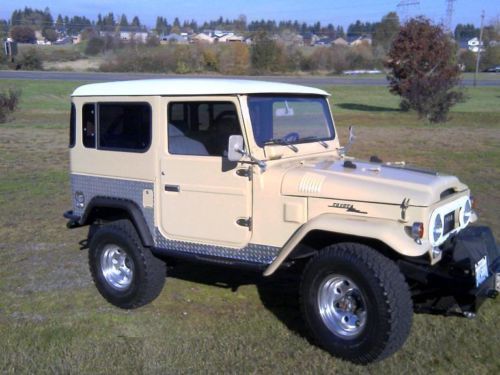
{"x":473,"y":202}
{"x":417,"y":230}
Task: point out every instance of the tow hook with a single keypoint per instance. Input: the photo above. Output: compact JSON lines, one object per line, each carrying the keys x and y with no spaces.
{"x":469,"y":314}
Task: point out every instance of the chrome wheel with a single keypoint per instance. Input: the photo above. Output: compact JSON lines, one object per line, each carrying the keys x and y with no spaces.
{"x":117,"y":267}
{"x":342,"y":306}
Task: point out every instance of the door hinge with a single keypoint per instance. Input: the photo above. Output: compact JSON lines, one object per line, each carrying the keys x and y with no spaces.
{"x":245,"y":222}
{"x":245,"y":172}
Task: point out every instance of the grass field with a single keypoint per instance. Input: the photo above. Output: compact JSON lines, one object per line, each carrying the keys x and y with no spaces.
{"x":208,"y":320}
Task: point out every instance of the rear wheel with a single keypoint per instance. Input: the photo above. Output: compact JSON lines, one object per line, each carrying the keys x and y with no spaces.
{"x":126,"y":273}
{"x":356,"y":303}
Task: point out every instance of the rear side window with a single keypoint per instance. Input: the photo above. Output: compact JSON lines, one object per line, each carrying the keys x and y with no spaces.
{"x":72,"y":126}
{"x":124,"y":126}
{"x":88,"y":125}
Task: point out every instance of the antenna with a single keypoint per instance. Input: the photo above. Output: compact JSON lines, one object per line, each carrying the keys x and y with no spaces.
{"x":449,"y":15}
{"x":404,"y":8}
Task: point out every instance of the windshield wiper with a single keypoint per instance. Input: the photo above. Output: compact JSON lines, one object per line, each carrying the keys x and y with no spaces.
{"x":281,"y":142}
{"x":314,"y":138}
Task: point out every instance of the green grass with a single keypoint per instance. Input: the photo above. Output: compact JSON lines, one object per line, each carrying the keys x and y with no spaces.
{"x":210,"y":320}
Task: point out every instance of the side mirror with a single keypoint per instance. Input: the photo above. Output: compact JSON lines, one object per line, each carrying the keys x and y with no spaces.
{"x":352,"y":137}
{"x":235,"y":149}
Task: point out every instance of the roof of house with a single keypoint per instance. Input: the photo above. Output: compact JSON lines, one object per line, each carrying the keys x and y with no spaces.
{"x":192,"y":86}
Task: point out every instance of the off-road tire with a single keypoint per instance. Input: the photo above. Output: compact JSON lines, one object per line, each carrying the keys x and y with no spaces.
{"x":389,"y":310}
{"x":149,"y":272}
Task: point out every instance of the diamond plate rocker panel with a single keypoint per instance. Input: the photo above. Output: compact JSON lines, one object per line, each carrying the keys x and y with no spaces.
{"x":92,"y":186}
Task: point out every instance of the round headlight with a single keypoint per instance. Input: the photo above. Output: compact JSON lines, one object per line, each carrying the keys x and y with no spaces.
{"x":467,"y":211}
{"x":437,"y":228}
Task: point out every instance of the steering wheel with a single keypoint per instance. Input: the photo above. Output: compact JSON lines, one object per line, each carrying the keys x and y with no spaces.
{"x":225,"y":114}
{"x":291,"y":137}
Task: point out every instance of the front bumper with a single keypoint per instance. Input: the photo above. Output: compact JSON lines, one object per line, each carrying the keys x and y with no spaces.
{"x":454,"y":286}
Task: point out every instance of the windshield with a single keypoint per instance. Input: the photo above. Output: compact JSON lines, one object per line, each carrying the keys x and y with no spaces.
{"x":290,"y":119}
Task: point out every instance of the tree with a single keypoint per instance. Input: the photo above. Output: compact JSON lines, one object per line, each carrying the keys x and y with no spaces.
{"x":135,"y":22}
{"x":23,"y":34}
{"x":123,"y":20}
{"x":491,"y":57}
{"x":59,"y":23}
{"x":465,"y":32}
{"x":265,"y":53}
{"x":386,"y":30}
{"x":50,"y":34}
{"x":423,"y":70}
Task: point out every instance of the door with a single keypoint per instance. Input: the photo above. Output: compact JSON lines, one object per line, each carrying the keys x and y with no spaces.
{"x":205,"y":198}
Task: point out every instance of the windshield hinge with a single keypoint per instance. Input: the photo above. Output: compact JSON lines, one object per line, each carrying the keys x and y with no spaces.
{"x":245,"y":222}
{"x":245,"y":172}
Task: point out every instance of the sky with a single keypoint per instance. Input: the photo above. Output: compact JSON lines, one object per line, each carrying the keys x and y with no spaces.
{"x":337,"y":12}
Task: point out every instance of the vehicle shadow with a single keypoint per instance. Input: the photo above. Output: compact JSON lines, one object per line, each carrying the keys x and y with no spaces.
{"x":366,"y":108}
{"x":278,"y":293}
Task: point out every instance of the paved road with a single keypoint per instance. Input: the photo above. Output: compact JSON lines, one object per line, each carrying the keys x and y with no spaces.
{"x":309,"y":80}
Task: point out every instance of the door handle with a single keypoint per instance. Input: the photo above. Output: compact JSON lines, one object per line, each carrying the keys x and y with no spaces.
{"x":173,"y":188}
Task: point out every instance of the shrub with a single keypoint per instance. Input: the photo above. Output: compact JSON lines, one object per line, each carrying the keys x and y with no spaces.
{"x":467,"y":60}
{"x":9,"y":100}
{"x":210,"y":60}
{"x":234,"y":59}
{"x":95,"y":46}
{"x":23,"y":34}
{"x":30,"y":59}
{"x":423,"y":70}
{"x":153,"y":41}
{"x":266,"y":54}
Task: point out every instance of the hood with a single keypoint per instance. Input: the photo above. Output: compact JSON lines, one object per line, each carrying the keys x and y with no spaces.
{"x":368,"y":182}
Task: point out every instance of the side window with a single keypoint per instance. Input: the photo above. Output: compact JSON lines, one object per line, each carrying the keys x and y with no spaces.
{"x":88,"y":125}
{"x":201,"y":128}
{"x":72,"y":126}
{"x":124,"y":126}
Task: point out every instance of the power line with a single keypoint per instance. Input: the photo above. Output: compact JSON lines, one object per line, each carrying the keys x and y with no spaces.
{"x":404,"y":8}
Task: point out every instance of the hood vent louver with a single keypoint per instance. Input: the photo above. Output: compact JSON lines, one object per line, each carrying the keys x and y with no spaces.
{"x":311,"y":183}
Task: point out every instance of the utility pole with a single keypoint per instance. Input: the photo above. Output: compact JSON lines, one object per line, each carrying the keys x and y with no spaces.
{"x":449,"y":14}
{"x":480,"y":47}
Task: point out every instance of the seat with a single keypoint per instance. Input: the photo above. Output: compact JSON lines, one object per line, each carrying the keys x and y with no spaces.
{"x":225,"y":126}
{"x":180,"y":144}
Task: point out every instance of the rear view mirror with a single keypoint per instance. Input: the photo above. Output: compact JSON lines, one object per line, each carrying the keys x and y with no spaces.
{"x":284,"y":112}
{"x":235,"y":149}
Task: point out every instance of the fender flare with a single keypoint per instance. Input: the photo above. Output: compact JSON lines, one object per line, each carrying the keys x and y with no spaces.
{"x":132,"y":209}
{"x":390,"y":232}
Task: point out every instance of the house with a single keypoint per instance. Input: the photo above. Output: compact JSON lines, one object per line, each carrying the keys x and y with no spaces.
{"x":340,"y":42}
{"x":290,"y":38}
{"x":229,"y":38}
{"x":203,"y":38}
{"x":323,"y":42}
{"x":174,"y":38}
{"x":310,"y":38}
{"x":126,"y":34}
{"x":64,"y":40}
{"x":362,"y":40}
{"x":136,"y":35}
{"x":474,"y":45}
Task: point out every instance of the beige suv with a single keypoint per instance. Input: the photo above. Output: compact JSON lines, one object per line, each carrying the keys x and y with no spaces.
{"x":251,"y":174}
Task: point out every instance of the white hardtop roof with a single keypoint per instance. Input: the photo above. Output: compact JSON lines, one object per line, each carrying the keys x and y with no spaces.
{"x":192,"y":86}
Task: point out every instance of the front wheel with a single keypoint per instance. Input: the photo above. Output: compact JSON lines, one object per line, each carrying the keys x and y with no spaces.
{"x":356,"y":303}
{"x":126,"y":273}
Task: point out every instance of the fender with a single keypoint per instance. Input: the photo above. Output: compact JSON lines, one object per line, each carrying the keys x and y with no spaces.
{"x":390,"y":232}
{"x":130,"y":207}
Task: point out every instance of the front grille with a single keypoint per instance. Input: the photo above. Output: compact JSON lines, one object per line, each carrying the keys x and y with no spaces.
{"x":449,"y":222}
